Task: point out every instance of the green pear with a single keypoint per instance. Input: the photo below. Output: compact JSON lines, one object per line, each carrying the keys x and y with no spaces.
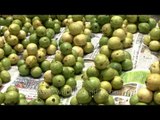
{"x":2,"y":97}
{"x":110,"y":100}
{"x":11,"y":98}
{"x":108,"y":74}
{"x":40,"y":56}
{"x":45,"y":65}
{"x":51,"y":50}
{"x":67,"y":37}
{"x":107,"y":86}
{"x":101,"y":61}
{"x":74,"y":101}
{"x":69,"y":60}
{"x":14,"y":58}
{"x":83,"y":96}
{"x":134,"y":99}
{"x":12,"y":88}
{"x":53,"y":100}
{"x":153,"y":81}
{"x":5,"y":76}
{"x":44,"y":92}
{"x":75,"y":28}
{"x":23,"y":102}
{"x":66,"y":91}
{"x":14,"y":29}
{"x":92,"y":85}
{"x":92,"y":71}
{"x":145,"y":95}
{"x":24,"y":70}
{"x":80,"y":40}
{"x":101,"y":96}
{"x":48,"y":76}
{"x":6,"y":63}
{"x":32,"y":49}
{"x":36,"y":72}
{"x":58,"y":80}
{"x":117,"y":83}
{"x":71,"y":82}
{"x":56,"y":67}
{"x":31,"y":61}
{"x":156,"y":97}
{"x":19,"y":48}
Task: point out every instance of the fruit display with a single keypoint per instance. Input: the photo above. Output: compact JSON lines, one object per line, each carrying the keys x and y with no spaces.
{"x":77,"y":59}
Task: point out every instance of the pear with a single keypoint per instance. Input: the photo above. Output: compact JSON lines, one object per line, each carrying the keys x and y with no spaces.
{"x":67,"y":37}
{"x":23,"y":102}
{"x":108,"y":74}
{"x":101,"y":61}
{"x":13,"y":58}
{"x":101,"y":96}
{"x":134,"y":99}
{"x":78,"y":50}
{"x":92,"y":85}
{"x":66,"y":91}
{"x":75,"y":28}
{"x":25,"y":54}
{"x":1,"y":42}
{"x":40,"y":56}
{"x":110,"y":100}
{"x":73,"y":101}
{"x":44,"y":92}
{"x":153,"y":82}
{"x":114,"y":43}
{"x":69,"y":60}
{"x":105,"y":50}
{"x":119,"y":33}
{"x":12,"y":40}
{"x":11,"y":98}
{"x":83,"y":96}
{"x":51,"y":49}
{"x":107,"y":29}
{"x":145,"y":95}
{"x":12,"y":88}
{"x":157,"y":97}
{"x":14,"y":29}
{"x":88,"y":48}
{"x":31,"y":61}
{"x":5,"y":76}
{"x":117,"y":83}
{"x":107,"y":86}
{"x":2,"y":97}
{"x":155,"y":67}
{"x":53,"y":100}
{"x":59,"y":56}
{"x":32,"y":49}
{"x":80,"y":40}
{"x":43,"y":83}
{"x":19,"y":48}
{"x":1,"y":53}
{"x":48,"y":76}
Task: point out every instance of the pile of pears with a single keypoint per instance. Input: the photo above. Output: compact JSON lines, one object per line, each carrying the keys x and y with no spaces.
{"x":59,"y":81}
{"x":130,"y":23}
{"x":152,"y":39}
{"x":21,"y":34}
{"x":78,"y":35}
{"x":99,"y":81}
{"x":149,"y":95}
{"x":12,"y":96}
